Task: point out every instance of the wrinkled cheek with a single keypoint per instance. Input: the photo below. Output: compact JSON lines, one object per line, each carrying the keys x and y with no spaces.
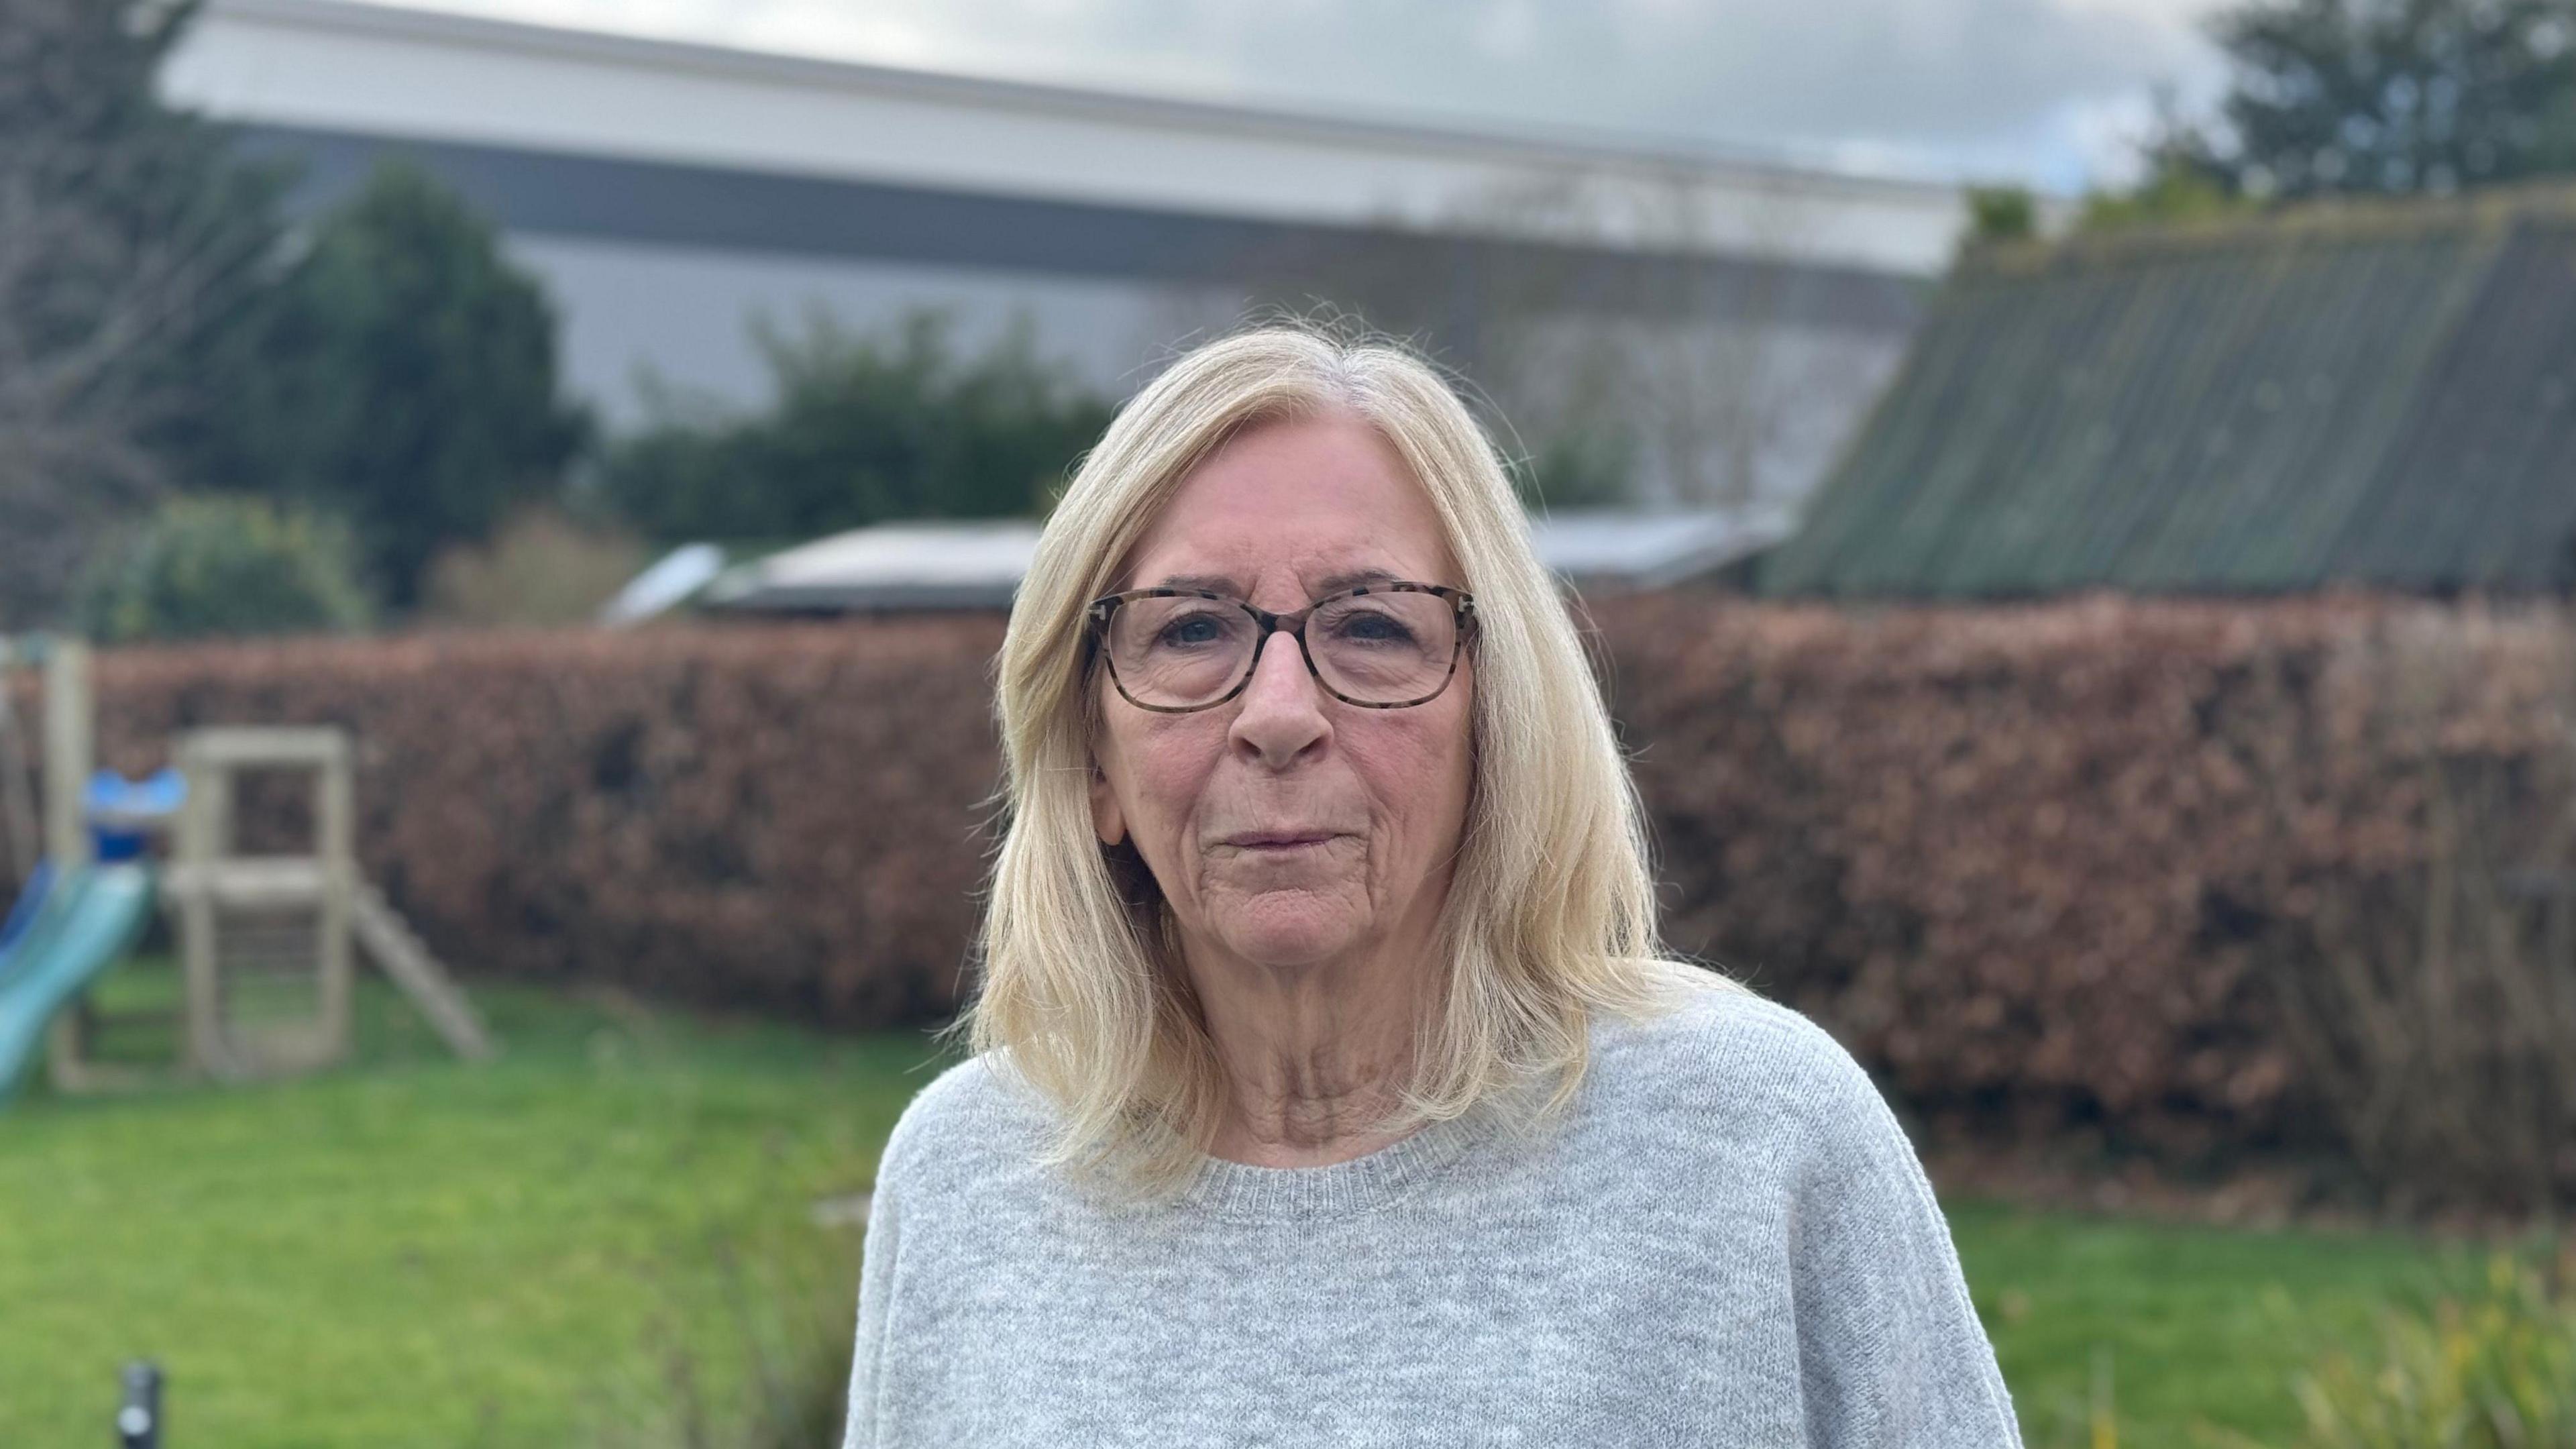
{"x":1179,"y":877}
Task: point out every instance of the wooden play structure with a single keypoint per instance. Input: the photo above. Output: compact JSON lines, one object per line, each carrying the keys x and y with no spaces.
{"x":292,"y":925}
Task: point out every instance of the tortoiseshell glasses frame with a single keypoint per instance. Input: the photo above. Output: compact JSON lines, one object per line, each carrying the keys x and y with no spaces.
{"x":1462,"y":615}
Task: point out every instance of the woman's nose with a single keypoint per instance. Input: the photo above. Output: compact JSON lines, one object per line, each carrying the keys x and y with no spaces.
{"x":1282,"y":712}
{"x":1282,"y":666}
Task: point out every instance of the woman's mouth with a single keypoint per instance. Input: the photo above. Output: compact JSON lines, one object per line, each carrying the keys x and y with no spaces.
{"x":1279,"y":842}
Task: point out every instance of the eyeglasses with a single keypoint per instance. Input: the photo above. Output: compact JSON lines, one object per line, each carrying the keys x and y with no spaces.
{"x":1378,"y":646}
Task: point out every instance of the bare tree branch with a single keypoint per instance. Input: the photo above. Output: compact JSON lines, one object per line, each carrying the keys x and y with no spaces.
{"x":120,"y":234}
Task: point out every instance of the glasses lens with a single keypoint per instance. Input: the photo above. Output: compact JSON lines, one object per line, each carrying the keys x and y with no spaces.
{"x":1384,"y":648}
{"x":1179,"y":652}
{"x":1389,"y":648}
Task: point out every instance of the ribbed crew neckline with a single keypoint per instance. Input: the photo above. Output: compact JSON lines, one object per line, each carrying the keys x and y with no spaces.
{"x":1242,"y":1191}
{"x":1231,"y":1189}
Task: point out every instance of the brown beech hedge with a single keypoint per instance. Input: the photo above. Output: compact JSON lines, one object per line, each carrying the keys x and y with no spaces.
{"x":2043,"y":867}
{"x":786,"y":818}
{"x":2036,"y":865}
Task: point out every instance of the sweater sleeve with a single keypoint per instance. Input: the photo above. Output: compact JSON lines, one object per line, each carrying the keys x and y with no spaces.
{"x":1889,"y":1347}
{"x":876,"y":1274}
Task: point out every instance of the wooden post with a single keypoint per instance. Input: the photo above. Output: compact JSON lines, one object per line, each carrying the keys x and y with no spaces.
{"x":67,"y":754}
{"x":67,"y":769}
{"x":335,"y":820}
{"x":17,"y":804}
{"x":204,"y":824}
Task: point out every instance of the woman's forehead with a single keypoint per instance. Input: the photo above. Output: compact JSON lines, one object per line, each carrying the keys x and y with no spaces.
{"x":1323,"y":503}
{"x":1316,"y":582}
{"x":1262,"y":566}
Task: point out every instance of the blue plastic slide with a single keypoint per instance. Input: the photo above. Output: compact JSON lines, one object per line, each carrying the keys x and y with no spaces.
{"x":79,"y":926}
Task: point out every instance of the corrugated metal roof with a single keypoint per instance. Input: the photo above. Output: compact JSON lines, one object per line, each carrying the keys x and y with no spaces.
{"x":2376,"y":394}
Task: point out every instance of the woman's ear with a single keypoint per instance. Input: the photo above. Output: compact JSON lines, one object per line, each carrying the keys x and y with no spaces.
{"x":1107,"y":820}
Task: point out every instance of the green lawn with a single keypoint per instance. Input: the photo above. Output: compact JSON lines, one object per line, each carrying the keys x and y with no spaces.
{"x":547,"y":1250}
{"x":569,"y":1243}
{"x":2178,"y":1328}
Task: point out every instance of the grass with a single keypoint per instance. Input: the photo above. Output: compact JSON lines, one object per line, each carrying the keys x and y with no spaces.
{"x":424,"y":1253}
{"x":2179,"y":1331}
{"x":566,"y":1246}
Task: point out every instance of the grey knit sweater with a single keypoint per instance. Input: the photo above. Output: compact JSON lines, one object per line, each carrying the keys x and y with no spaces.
{"x":1729,"y":1241}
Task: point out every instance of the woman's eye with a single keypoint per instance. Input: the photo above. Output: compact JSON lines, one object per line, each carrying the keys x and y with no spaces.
{"x":1191,"y":629}
{"x":1371,"y":628}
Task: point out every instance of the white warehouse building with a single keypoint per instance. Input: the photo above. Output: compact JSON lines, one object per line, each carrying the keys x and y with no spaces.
{"x":1728,"y":319}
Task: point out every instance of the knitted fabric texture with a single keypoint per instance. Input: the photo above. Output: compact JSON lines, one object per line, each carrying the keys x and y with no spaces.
{"x":1728,"y":1240}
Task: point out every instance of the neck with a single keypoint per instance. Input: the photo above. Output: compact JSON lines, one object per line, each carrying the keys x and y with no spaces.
{"x":1313,"y":1054}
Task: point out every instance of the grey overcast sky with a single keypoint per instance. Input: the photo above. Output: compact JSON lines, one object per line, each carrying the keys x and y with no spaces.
{"x":2049,"y":92}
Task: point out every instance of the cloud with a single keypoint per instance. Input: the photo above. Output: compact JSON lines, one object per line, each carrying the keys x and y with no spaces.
{"x":2048,"y":91}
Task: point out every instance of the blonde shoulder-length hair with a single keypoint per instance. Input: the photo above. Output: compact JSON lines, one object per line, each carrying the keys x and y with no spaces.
{"x":1550,"y":915}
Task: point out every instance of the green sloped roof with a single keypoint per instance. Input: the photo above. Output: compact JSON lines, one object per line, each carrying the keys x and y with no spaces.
{"x":2382,"y":395}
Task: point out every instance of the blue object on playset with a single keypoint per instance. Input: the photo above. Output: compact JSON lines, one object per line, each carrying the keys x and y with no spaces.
{"x":122,"y":811}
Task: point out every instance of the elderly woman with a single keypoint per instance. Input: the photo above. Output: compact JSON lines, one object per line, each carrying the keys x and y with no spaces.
{"x":1329,"y":1087}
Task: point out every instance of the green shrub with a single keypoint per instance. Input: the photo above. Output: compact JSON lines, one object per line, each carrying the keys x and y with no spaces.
{"x":865,"y":428}
{"x":2495,"y":1373}
{"x":1578,"y":468}
{"x":401,"y":373}
{"x":215,"y":565}
{"x":2002,"y":213}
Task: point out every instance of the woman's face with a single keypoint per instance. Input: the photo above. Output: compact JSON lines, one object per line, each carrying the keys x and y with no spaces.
{"x":1375,"y":798}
